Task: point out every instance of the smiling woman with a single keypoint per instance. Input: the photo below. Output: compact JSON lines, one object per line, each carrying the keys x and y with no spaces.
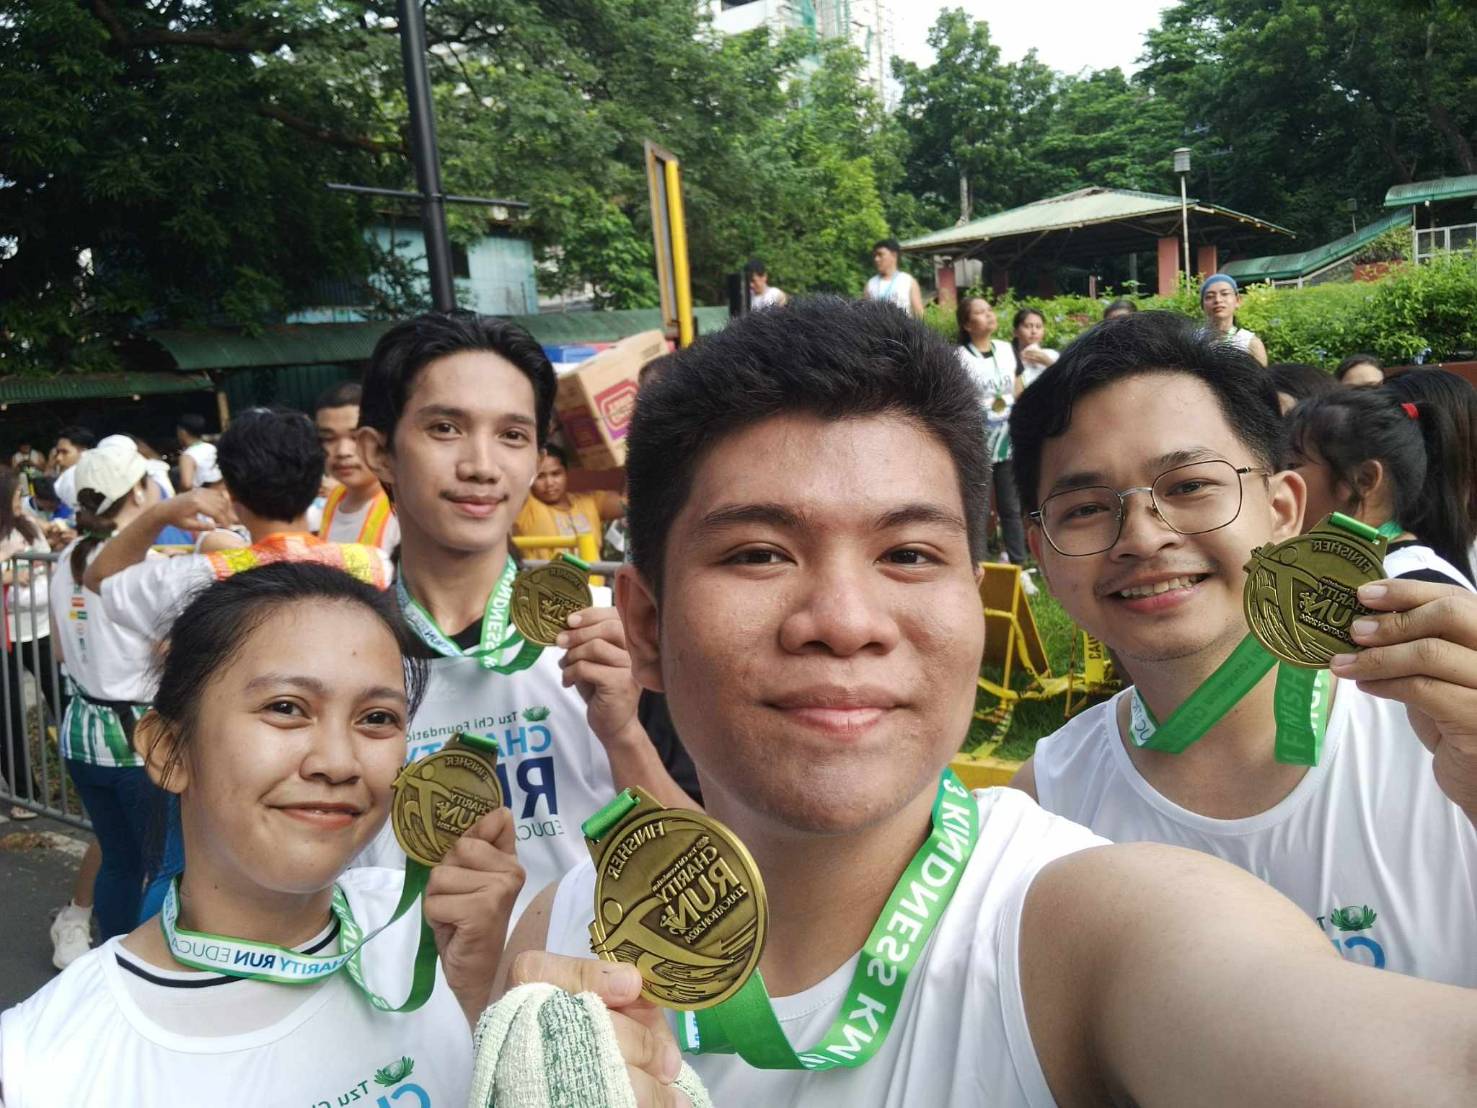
{"x":280,"y":724}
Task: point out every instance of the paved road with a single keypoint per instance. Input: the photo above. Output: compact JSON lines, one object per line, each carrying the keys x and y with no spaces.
{"x":37,"y":861}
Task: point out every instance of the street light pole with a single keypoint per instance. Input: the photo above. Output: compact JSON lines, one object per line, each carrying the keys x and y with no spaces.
{"x":1182,"y":167}
{"x":423,"y":153}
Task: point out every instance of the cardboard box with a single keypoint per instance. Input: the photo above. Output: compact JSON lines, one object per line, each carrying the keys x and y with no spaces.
{"x":597,"y":399}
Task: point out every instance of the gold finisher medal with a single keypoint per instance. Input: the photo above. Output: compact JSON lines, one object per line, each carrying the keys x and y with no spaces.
{"x":678,"y":897}
{"x":1301,"y":595}
{"x":999,"y":405}
{"x":545,"y":598}
{"x":440,"y":796}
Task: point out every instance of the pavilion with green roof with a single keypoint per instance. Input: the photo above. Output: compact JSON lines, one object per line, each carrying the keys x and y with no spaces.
{"x":1088,"y":225}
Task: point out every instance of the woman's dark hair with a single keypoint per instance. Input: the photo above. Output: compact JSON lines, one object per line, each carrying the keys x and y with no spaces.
{"x":1021,"y":315}
{"x":272,"y":462}
{"x":1148,"y":342}
{"x":1122,"y":304}
{"x":826,"y":356}
{"x":407,"y":348}
{"x":1443,"y":396}
{"x":1300,"y":380}
{"x":10,"y":481}
{"x":94,"y":527}
{"x":1417,"y":452}
{"x":1355,"y":359}
{"x":218,"y":620}
{"x":961,"y":316}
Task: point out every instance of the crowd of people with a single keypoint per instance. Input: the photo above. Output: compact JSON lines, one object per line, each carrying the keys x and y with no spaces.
{"x":257,"y":640}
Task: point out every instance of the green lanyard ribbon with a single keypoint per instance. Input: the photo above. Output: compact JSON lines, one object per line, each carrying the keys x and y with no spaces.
{"x":1300,"y":703}
{"x":746,"y":1024}
{"x":1300,"y":706}
{"x":260,"y":961}
{"x":496,"y":639}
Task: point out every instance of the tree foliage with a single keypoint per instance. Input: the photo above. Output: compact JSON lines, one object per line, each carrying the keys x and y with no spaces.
{"x":162,"y":162}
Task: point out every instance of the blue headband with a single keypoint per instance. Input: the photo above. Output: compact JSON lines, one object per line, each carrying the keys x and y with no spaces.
{"x":1216,"y":279}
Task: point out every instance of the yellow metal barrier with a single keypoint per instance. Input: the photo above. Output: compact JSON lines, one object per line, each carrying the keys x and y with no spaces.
{"x":586,"y":547}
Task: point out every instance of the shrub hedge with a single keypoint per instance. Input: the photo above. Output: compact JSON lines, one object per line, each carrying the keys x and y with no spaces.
{"x":1415,"y":310}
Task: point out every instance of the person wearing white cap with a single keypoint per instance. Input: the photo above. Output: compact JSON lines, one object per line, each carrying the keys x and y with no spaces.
{"x":110,"y":670}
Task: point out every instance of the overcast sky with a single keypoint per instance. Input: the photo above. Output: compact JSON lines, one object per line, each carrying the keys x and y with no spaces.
{"x":1068,"y":35}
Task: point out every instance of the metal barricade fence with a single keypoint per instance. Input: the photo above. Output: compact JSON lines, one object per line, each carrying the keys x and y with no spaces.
{"x":32,"y":696}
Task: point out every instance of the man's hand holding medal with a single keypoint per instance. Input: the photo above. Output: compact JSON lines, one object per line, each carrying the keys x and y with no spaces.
{"x":1422,"y":651}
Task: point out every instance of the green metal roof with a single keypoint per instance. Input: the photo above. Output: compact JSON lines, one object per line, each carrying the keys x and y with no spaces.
{"x":97,"y":386}
{"x":1442,"y":188}
{"x":1070,"y":211}
{"x":1287,"y":267}
{"x":329,"y":343}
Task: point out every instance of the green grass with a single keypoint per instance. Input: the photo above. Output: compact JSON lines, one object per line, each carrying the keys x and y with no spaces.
{"x":1033,"y":719}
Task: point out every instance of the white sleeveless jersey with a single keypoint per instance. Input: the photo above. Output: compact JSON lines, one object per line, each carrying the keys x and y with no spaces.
{"x":1414,"y":557}
{"x":1366,"y":843}
{"x":896,"y":290}
{"x":102,"y":1034}
{"x":960,"y":1035}
{"x":553,"y":770}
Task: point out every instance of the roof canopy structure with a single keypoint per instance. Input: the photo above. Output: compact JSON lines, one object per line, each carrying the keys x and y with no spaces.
{"x":1295,"y":267}
{"x":1433,"y":191}
{"x":346,"y":343}
{"x":1089,"y":224}
{"x":97,"y":386}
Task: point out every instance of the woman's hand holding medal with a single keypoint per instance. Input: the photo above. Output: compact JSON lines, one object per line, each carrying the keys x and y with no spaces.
{"x":468,"y":901}
{"x":1422,"y":651}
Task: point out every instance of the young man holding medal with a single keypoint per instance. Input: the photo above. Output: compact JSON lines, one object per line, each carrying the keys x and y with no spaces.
{"x":1152,"y":468}
{"x":804,"y":495}
{"x":455,"y":411}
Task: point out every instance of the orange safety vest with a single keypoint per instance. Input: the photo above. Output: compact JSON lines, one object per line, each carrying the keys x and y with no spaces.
{"x":375,"y":520}
{"x":368,"y":563}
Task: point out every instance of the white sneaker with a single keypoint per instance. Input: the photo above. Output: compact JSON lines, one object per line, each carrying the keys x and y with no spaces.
{"x":1028,"y":586}
{"x":71,"y":935}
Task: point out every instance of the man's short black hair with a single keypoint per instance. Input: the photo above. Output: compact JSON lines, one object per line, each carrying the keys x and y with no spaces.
{"x":1300,"y":380}
{"x":345,"y":394}
{"x":192,"y":424}
{"x":80,"y":437}
{"x":272,"y":462}
{"x":891,"y":244}
{"x":557,"y":452}
{"x":755,"y":268}
{"x":833,"y":358}
{"x":1356,"y":359}
{"x":407,"y":348}
{"x":1147,"y":342}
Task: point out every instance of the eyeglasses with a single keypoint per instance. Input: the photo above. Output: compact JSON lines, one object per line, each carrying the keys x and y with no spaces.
{"x":1189,"y":500}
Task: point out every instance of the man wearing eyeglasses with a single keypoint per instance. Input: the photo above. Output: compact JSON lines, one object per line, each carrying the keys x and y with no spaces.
{"x":1151,"y":468}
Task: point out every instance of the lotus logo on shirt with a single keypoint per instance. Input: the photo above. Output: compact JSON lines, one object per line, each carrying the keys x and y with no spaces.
{"x":1354,"y":919}
{"x":408,"y":1095}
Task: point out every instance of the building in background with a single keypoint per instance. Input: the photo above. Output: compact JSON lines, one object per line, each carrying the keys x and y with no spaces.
{"x":494,"y":275}
{"x":866,"y":24}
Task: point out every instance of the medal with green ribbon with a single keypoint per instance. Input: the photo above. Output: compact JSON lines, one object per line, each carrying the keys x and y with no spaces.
{"x":1301,"y":595}
{"x":497,"y":638}
{"x":436,"y":799}
{"x":745,"y":1023}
